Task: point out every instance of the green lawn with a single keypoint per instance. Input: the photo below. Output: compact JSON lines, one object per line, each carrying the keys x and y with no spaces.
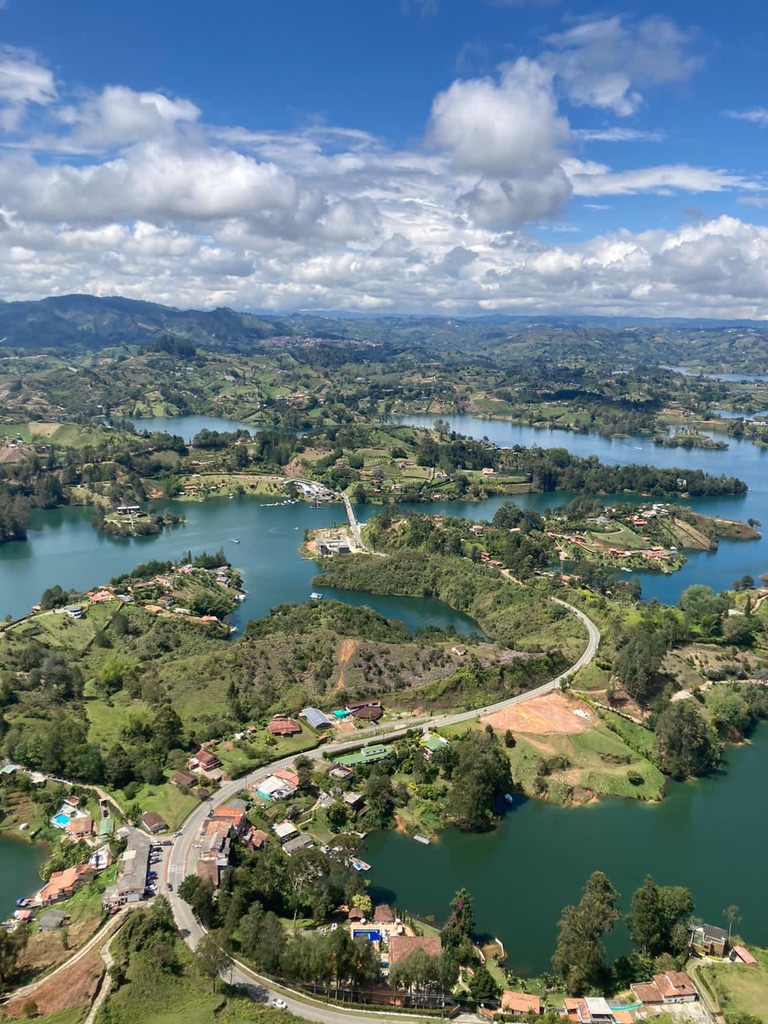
{"x":108,"y":719}
{"x":741,"y":988}
{"x":172,"y":803}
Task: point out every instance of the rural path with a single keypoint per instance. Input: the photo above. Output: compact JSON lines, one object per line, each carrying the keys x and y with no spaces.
{"x":106,"y":981}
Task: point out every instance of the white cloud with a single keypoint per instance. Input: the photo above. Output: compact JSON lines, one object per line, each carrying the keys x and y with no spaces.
{"x":589,"y":178}
{"x":617,"y":134}
{"x":607,"y":62}
{"x":118,"y":116}
{"x":757,"y":116}
{"x":501,"y":128}
{"x":23,"y":81}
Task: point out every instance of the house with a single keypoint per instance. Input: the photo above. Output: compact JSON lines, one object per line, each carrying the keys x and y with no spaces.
{"x":288,"y":777}
{"x":316,"y":719}
{"x":367,"y":755}
{"x":275,"y":788}
{"x":488,"y":471}
{"x":519,"y":1002}
{"x":79,"y":827}
{"x":63,"y":884}
{"x":50,"y":920}
{"x":459,"y":650}
{"x":431,"y":743}
{"x":352,"y":800}
{"x":205,"y":760}
{"x":74,"y":611}
{"x":672,"y":987}
{"x":367,"y":710}
{"x":356,"y":914}
{"x":153,"y":822}
{"x":709,"y":940}
{"x":285,"y":830}
{"x":233,"y":817}
{"x":208,"y":869}
{"x":184,"y":780}
{"x":300,"y":842}
{"x":401,"y":946}
{"x":255,"y":839}
{"x":284,"y":726}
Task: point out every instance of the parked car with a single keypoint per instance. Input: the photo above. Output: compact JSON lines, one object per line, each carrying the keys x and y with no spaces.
{"x":279,"y":1004}
{"x":170,"y":887}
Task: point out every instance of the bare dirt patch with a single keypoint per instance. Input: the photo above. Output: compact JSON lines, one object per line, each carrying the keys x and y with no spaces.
{"x":75,"y":986}
{"x":552,"y":713}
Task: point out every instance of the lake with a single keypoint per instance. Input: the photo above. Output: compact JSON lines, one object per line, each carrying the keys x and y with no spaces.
{"x":708,"y":835}
{"x":20,"y":863}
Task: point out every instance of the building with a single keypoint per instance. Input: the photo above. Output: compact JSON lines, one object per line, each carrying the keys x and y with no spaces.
{"x":205,"y":760}
{"x":106,"y":828}
{"x":740,"y":953}
{"x":232,"y":817}
{"x":366,"y":755}
{"x":299,"y":842}
{"x":79,"y":827}
{"x":382,"y":914}
{"x":63,"y":884}
{"x":280,"y":726}
{"x":131,"y":882}
{"x":519,"y":1002}
{"x":275,"y":788}
{"x":50,"y":920}
{"x":255,"y":839}
{"x":401,"y":946}
{"x":285,"y":830}
{"x":431,"y":743}
{"x":153,"y":822}
{"x":316,"y":719}
{"x":709,"y":940}
{"x":367,"y":710}
{"x":74,"y":611}
{"x":672,"y":987}
{"x":184,"y":780}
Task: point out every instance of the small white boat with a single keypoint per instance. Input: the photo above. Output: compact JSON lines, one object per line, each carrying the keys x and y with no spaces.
{"x":423,"y":840}
{"x":314,"y":596}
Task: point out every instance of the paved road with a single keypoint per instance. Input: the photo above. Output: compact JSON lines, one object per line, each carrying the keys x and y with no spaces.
{"x":353,"y":524}
{"x":181,"y":859}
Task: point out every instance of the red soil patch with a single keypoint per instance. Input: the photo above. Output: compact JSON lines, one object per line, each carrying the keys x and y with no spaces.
{"x":75,"y":986}
{"x":553,"y":713}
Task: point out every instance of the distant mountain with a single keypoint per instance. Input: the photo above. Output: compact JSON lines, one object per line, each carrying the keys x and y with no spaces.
{"x":90,"y":322}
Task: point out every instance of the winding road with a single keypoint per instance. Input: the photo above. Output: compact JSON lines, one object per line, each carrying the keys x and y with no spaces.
{"x":178,"y":863}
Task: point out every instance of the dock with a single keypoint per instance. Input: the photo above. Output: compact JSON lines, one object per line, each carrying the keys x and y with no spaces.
{"x":423,"y":840}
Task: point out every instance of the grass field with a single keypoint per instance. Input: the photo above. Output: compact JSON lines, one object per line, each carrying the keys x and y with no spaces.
{"x":172,"y":803}
{"x":740,"y":988}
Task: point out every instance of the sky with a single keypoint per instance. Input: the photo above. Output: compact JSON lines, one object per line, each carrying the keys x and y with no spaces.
{"x":448,"y":157}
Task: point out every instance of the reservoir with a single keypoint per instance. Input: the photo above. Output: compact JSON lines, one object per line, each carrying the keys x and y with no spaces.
{"x":709,"y":835}
{"x":20,"y":863}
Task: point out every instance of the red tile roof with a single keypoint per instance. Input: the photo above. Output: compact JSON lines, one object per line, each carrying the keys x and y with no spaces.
{"x":401,"y":946}
{"x":520,"y":1002}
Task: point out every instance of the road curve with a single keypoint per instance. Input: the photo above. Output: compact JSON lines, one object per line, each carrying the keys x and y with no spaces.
{"x":178,"y":863}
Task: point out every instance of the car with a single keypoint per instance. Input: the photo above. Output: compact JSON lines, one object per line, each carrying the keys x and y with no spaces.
{"x":170,"y":887}
{"x":279,"y":1004}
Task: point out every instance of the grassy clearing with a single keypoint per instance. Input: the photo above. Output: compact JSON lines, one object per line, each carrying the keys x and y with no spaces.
{"x":172,"y":803}
{"x":741,"y":988}
{"x":152,"y":996}
{"x":107,"y":720}
{"x":14,"y":430}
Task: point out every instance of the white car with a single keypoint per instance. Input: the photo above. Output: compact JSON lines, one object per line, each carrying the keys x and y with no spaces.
{"x":279,"y":1004}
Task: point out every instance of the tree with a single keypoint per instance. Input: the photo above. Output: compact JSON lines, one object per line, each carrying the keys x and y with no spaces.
{"x":580,"y":950}
{"x":363,"y":902}
{"x":262,"y":938}
{"x":686,"y":743}
{"x":480,"y":775}
{"x":11,"y":944}
{"x":305,"y":870}
{"x":211,"y":958}
{"x":658,"y":918}
{"x":379,"y":800}
{"x":482,"y":986}
{"x":198,"y":893}
{"x":732,"y":915}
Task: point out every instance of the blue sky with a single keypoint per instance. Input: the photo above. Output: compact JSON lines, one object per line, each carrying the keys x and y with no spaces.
{"x":441,"y":156}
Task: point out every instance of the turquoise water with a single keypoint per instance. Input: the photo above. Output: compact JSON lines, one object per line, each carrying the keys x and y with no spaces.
{"x":61,"y":820}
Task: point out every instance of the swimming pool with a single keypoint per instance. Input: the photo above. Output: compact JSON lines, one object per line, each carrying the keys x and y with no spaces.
{"x":60,"y":820}
{"x":372,"y":934}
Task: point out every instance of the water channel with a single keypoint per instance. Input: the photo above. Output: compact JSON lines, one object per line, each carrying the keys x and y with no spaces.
{"x":708,"y":835}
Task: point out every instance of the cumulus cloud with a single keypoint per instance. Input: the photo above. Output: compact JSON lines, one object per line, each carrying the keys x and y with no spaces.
{"x":23,"y":81}
{"x":126,"y":192}
{"x":608,"y":62}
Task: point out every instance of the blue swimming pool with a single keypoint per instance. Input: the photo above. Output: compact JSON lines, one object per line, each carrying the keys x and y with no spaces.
{"x":372,"y":934}
{"x":60,"y":820}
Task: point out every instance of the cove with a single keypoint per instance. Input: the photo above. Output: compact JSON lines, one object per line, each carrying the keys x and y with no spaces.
{"x":709,"y":835}
{"x":187,"y":426}
{"x":20,"y":864}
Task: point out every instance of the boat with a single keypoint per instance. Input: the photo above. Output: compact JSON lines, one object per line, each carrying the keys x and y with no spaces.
{"x":423,"y":840}
{"x":509,"y":797}
{"x":360,"y":865}
{"x":235,"y":540}
{"x":314,"y":596}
